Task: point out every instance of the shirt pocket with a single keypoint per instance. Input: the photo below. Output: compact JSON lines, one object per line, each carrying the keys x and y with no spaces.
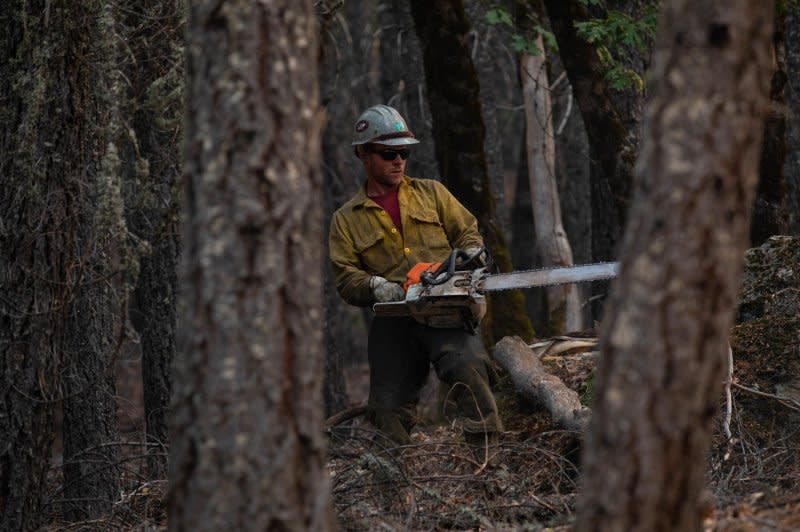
{"x":430,"y":231}
{"x":374,"y":254}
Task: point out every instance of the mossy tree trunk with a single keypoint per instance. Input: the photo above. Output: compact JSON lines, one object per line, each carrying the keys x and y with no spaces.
{"x":95,"y":314}
{"x":458,"y":131}
{"x":248,"y":451}
{"x":35,"y":252}
{"x":664,"y":339}
{"x":61,"y":234}
{"x":155,"y":100}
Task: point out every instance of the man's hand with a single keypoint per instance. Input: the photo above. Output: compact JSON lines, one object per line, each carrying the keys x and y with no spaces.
{"x":384,"y":290}
{"x":479,"y":260}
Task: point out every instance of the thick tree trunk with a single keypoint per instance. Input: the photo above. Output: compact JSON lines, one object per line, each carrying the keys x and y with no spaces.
{"x":35,"y":252}
{"x":564,"y":305}
{"x":458,"y":130}
{"x":248,"y":451}
{"x":96,"y":311}
{"x":60,"y":238}
{"x":664,"y":340}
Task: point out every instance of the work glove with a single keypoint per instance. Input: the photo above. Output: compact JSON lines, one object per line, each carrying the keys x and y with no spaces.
{"x":479,"y":260}
{"x":384,"y":290}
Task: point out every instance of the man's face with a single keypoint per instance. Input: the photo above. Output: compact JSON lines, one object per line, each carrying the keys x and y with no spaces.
{"x":387,"y":173}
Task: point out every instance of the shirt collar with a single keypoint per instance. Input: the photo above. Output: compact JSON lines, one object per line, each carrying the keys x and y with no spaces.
{"x":362,"y":200}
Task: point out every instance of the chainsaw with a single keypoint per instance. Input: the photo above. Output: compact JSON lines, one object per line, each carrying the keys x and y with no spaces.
{"x":452,"y":293}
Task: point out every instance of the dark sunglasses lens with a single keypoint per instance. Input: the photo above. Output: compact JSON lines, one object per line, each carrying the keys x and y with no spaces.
{"x":389,"y":155}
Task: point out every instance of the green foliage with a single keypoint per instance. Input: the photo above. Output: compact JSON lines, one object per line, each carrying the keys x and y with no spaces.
{"x":614,"y":34}
{"x":611,"y":35}
{"x":522,"y":43}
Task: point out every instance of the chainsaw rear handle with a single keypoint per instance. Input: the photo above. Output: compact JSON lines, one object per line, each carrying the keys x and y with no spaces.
{"x":448,"y":267}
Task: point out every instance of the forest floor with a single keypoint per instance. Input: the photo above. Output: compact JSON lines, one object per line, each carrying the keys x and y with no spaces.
{"x":529,"y":481}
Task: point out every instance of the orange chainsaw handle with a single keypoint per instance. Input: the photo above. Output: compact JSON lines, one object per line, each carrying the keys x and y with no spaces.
{"x":414,"y":275}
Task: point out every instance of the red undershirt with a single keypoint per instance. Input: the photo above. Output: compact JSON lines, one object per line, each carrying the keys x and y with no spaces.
{"x":391,"y":205}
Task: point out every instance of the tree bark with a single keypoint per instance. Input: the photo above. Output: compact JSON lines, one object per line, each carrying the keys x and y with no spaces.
{"x":792,"y":165}
{"x":532,"y":380}
{"x":563,"y":302}
{"x":152,"y":173}
{"x":248,"y":451}
{"x":664,"y":341}
{"x":458,"y":130}
{"x":611,"y":155}
{"x":61,"y":256}
{"x":770,"y":214}
{"x":37,"y":173}
{"x":95,"y":314}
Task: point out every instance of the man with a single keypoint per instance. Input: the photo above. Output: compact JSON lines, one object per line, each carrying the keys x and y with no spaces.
{"x":392,"y":223}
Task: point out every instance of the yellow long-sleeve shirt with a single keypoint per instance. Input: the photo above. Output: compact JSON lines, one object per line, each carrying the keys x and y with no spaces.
{"x":364,"y":242}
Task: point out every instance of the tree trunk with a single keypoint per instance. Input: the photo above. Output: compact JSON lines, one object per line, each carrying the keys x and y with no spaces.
{"x":37,"y":175}
{"x":61,"y":237}
{"x":248,"y":451}
{"x":157,"y":80}
{"x":402,"y":81}
{"x":91,"y":437}
{"x":95,"y":313}
{"x":792,"y":165}
{"x":611,"y":149}
{"x":459,"y":133}
{"x":563,"y":302}
{"x":770,"y":214}
{"x":664,"y":341}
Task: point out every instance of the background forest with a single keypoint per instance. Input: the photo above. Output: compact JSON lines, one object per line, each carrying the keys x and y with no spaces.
{"x":172,"y":343}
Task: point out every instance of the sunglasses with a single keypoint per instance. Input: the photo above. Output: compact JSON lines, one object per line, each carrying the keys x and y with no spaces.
{"x":389,"y":155}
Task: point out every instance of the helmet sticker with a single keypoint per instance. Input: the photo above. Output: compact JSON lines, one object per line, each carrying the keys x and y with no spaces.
{"x":398,"y":126}
{"x":362,"y":125}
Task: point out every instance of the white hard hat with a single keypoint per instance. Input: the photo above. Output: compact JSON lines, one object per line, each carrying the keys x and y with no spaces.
{"x":384,"y":125}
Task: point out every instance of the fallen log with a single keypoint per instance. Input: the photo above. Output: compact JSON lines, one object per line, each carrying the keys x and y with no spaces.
{"x":532,"y":380}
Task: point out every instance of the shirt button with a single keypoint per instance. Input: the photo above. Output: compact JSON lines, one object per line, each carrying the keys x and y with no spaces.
{"x":394,"y":230}
{"x":407,"y":250}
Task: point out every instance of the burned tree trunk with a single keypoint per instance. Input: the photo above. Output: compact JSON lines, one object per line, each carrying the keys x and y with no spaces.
{"x":95,"y":313}
{"x":60,"y":269}
{"x":664,"y":339}
{"x":459,"y":132}
{"x":155,"y":38}
{"x":35,"y":251}
{"x":248,"y":449}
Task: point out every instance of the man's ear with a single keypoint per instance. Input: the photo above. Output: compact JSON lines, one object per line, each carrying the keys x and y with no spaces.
{"x":360,"y":151}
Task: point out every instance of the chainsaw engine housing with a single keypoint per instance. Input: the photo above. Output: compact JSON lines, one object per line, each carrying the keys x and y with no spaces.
{"x":454,"y":303}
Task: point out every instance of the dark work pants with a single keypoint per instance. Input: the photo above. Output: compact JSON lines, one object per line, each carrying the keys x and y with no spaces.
{"x":400,"y":354}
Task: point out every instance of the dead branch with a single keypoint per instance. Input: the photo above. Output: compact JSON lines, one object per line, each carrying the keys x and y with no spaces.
{"x":345,"y":415}
{"x":532,"y":380}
